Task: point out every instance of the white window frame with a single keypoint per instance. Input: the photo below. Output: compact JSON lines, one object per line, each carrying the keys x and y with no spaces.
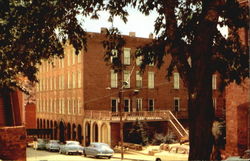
{"x":69,"y":83}
{"x":126,"y":56}
{"x":126,"y":76}
{"x":68,"y":105}
{"x":138,"y":80}
{"x":73,"y":106}
{"x":114,"y":55}
{"x":151,"y":80}
{"x":73,"y":56}
{"x":138,"y":60}
{"x":138,"y":104}
{"x":113,"y":79}
{"x":214,"y":81}
{"x":79,"y":79}
{"x":178,"y":106}
{"x":79,"y":106}
{"x":176,"y":80}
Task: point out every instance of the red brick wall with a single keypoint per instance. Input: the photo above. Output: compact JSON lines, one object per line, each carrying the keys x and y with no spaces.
{"x":236,"y":96}
{"x":30,"y":116}
{"x":13,"y":143}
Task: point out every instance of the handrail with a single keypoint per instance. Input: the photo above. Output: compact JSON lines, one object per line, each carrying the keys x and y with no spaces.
{"x":171,"y":114}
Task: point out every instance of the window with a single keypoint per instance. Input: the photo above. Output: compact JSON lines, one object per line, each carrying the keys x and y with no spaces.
{"x":114,"y":105}
{"x":60,"y":106}
{"x":62,"y":81}
{"x":73,"y":106}
{"x":68,"y":57}
{"x":214,"y":82}
{"x":79,"y":106}
{"x":138,"y":60}
{"x":79,"y":79}
{"x":214,"y":103}
{"x":176,"y":104}
{"x":54,"y":105}
{"x":73,"y":55}
{"x":74,"y":80}
{"x":114,"y":55}
{"x":176,"y":81}
{"x":151,"y":105}
{"x":79,"y":57}
{"x":150,"y":80}
{"x":63,"y":111}
{"x":54,"y":83}
{"x":127,"y":78}
{"x":69,"y":80}
{"x":138,"y":80}
{"x":68,"y":100}
{"x":138,"y":104}
{"x":114,"y":82}
{"x":51,"y":83}
{"x":127,"y":56}
{"x":126,"y":105}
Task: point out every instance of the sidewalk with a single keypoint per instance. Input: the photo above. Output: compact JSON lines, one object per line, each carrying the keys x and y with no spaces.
{"x":134,"y":157}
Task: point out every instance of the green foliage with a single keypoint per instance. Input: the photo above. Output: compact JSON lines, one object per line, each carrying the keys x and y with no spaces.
{"x":160,"y":138}
{"x":139,"y":133}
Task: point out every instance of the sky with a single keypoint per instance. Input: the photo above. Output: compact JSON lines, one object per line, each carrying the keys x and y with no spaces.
{"x":137,"y":22}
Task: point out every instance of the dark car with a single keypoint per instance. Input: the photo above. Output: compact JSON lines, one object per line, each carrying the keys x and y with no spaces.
{"x":52,"y":145}
{"x":98,"y":150}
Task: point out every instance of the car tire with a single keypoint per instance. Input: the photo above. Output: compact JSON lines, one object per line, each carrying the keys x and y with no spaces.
{"x":84,"y":153}
{"x":109,"y":157}
{"x":60,"y":151}
{"x":67,"y":153}
{"x":157,"y":159}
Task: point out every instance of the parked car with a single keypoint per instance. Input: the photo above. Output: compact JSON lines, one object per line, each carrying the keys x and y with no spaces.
{"x":98,"y":150}
{"x":71,"y":147}
{"x":52,"y":145}
{"x":176,"y":152}
{"x":39,"y":144}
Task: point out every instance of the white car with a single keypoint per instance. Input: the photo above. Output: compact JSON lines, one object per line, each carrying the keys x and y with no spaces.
{"x":244,"y":157}
{"x":176,"y":152}
{"x":71,"y":147}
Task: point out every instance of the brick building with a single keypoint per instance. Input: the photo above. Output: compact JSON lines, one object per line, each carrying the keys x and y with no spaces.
{"x":238,"y":109}
{"x":79,"y":96}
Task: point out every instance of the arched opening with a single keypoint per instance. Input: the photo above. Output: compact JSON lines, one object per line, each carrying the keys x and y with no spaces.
{"x":104,"y":133}
{"x":79,"y":133}
{"x":61,"y":133}
{"x":48,"y":126}
{"x":52,"y":127}
{"x":87,"y":134}
{"x":68,"y":131}
{"x":37,"y":123}
{"x":44,"y":124}
{"x":74,"y":132}
{"x":55,"y":130}
{"x":95,"y":132}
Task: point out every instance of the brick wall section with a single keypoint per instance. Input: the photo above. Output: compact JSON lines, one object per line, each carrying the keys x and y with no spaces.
{"x":235,"y":96}
{"x":13,"y":143}
{"x":30,"y":115}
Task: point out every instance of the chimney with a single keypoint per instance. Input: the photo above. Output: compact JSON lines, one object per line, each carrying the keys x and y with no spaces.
{"x":104,"y":30}
{"x":132,"y":34}
{"x":151,"y":36}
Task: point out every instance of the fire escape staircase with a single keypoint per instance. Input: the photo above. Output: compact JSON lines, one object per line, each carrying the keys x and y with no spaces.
{"x":176,"y":125}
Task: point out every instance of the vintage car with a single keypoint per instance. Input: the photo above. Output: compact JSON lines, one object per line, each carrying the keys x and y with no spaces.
{"x":98,"y":150}
{"x":39,"y":144}
{"x":52,"y":145}
{"x":176,"y":152}
{"x":244,"y":157}
{"x":71,"y":147}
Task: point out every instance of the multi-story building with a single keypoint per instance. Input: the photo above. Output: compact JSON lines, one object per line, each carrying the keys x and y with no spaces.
{"x":79,"y":95}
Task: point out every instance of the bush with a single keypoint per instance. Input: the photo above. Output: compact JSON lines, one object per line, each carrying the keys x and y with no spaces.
{"x":160,"y":138}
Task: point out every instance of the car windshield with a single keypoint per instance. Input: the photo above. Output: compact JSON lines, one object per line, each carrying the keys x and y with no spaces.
{"x":54,"y":141}
{"x":102,"y":145}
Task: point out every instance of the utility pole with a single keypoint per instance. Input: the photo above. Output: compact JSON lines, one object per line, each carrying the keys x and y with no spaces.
{"x":120,"y":111}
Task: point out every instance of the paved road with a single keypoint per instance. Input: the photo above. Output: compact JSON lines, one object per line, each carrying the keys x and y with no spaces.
{"x":41,"y":155}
